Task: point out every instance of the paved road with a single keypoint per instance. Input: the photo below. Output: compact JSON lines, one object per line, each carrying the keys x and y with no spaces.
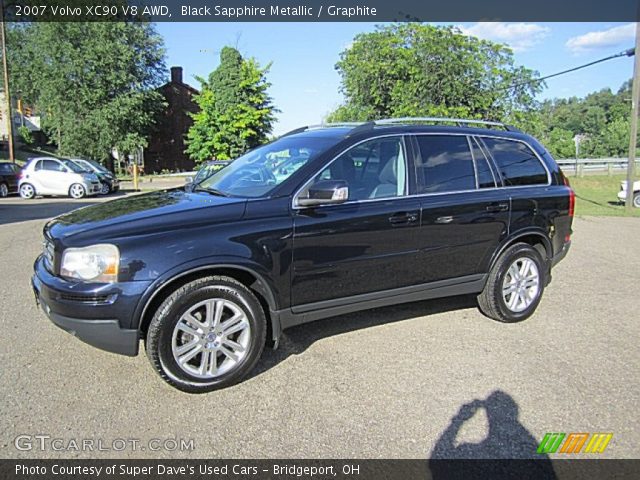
{"x":384,"y":383}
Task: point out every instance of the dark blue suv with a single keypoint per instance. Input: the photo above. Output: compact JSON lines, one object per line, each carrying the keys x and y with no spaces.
{"x":321,"y":222}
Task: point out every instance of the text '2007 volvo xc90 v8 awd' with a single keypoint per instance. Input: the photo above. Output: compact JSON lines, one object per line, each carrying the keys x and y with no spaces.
{"x":363,"y":216}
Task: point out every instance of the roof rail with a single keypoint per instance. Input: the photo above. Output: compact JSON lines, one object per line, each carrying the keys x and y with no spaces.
{"x":361,"y":126}
{"x":459,"y":121}
{"x":323,"y":125}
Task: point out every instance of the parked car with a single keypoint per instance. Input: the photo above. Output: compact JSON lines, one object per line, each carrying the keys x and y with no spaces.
{"x":9,"y":173}
{"x":55,"y":176}
{"x":381,"y":213}
{"x":109,"y":182}
{"x":622,"y":194}
{"x":207,"y":169}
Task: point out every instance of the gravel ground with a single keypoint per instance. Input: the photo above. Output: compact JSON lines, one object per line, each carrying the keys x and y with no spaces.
{"x":387,"y":383}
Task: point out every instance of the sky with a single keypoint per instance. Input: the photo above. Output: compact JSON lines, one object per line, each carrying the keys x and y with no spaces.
{"x":306,"y":86}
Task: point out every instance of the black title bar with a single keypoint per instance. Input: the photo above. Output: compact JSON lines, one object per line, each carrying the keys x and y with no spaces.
{"x":322,"y":11}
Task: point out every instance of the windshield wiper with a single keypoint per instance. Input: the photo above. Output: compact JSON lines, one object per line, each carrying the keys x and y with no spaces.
{"x":212,"y":191}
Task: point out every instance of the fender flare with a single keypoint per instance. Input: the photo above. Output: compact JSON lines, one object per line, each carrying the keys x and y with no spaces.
{"x":262,"y":286}
{"x":523,"y":233}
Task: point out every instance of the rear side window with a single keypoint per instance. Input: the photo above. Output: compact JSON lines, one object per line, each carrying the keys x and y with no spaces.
{"x":6,"y":168}
{"x":486,"y":177}
{"x":444,"y":164}
{"x":517,"y":163}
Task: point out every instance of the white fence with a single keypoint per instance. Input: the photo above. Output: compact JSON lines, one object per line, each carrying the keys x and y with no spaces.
{"x":595,"y":165}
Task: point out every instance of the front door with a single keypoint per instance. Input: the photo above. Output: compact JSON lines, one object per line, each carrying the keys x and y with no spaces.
{"x":52,"y":177}
{"x":368,"y":244}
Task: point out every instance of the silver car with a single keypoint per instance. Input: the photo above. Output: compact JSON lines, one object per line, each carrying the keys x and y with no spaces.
{"x":54,"y":176}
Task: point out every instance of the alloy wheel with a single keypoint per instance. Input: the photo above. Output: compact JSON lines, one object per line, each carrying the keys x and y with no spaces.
{"x":211,"y":338}
{"x":77,"y":190}
{"x":27,"y":191}
{"x":4,"y":191}
{"x":521,"y":284}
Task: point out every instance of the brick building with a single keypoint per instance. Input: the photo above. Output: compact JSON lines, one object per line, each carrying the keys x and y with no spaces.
{"x":166,"y":144}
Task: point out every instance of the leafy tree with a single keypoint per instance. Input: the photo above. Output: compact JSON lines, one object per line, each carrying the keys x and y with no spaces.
{"x":236,"y":112}
{"x":92,"y":82}
{"x":413,"y":69}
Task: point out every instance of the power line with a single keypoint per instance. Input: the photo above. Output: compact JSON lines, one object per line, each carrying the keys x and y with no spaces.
{"x":625,"y":53}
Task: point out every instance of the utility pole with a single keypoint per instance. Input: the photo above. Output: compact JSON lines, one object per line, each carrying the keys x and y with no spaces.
{"x":7,"y":93}
{"x":635,"y":93}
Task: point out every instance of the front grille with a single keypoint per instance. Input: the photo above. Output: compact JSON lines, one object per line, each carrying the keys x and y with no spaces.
{"x":93,"y":299}
{"x":48,"y":252}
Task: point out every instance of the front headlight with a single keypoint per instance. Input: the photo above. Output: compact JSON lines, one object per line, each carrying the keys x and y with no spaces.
{"x":97,"y":263}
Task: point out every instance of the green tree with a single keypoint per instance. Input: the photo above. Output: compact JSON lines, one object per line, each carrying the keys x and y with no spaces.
{"x":92,"y":82}
{"x":413,"y":69}
{"x":236,"y":112}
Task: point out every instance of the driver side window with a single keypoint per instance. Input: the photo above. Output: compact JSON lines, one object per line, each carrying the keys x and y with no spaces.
{"x":373,"y":169}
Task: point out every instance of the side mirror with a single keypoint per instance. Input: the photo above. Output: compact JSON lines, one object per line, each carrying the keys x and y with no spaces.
{"x":325,"y":192}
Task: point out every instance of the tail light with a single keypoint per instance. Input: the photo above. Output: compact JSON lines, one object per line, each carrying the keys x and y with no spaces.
{"x":572,"y":196}
{"x":572,"y":204}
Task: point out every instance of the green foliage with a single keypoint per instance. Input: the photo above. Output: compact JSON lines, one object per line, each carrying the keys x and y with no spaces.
{"x":236,"y":112}
{"x":602,"y":118}
{"x":413,"y":69}
{"x":92,"y":82}
{"x":25,"y":135}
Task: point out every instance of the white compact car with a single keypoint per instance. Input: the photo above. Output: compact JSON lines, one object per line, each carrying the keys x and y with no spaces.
{"x":622,"y":194}
{"x":53,"y":176}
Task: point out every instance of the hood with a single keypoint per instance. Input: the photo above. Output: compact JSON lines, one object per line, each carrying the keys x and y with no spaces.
{"x":147,"y":213}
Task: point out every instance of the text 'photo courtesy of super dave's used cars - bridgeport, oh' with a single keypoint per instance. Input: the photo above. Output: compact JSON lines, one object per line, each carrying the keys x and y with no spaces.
{"x":321,"y":222}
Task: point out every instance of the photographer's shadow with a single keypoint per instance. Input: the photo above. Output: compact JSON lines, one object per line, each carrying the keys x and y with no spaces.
{"x":507,"y":440}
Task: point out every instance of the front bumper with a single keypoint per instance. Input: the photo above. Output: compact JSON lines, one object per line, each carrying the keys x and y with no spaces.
{"x":97,"y":316}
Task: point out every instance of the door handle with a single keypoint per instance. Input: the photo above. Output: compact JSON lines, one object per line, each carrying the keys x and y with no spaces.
{"x":403,"y":218}
{"x":446,"y":219}
{"x":497,"y":207}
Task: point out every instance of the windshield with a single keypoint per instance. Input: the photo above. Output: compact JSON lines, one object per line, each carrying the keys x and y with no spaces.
{"x":259,"y":171}
{"x":97,"y":166}
{"x":74,"y":167}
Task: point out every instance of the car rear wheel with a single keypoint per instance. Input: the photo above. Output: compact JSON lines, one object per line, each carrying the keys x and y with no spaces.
{"x":636,"y":200}
{"x":207,"y":335}
{"x":515,"y":285}
{"x":4,"y":190}
{"x":27,"y":191}
{"x":77,"y":191}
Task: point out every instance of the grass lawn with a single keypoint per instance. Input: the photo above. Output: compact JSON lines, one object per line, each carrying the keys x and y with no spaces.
{"x":597,"y":195}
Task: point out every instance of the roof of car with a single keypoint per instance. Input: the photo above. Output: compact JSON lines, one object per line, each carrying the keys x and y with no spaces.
{"x":371,"y":129}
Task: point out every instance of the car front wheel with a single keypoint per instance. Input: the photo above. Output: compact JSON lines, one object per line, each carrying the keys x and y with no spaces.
{"x":515,"y":285}
{"x":636,"y":200}
{"x":4,"y":190}
{"x":207,"y":335}
{"x":104,"y":189}
{"x":77,"y":191}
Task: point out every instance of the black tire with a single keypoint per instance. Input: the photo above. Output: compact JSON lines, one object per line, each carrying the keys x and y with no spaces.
{"x":636,"y":200}
{"x":491,"y":301}
{"x":4,"y":190}
{"x":158,"y":342}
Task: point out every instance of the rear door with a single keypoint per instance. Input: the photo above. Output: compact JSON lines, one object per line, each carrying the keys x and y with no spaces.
{"x":368,"y":244}
{"x":465,"y":213}
{"x":527,"y":181}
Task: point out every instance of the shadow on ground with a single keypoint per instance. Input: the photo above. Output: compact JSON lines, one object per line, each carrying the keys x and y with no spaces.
{"x":296,"y":340}
{"x":507,"y":439}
